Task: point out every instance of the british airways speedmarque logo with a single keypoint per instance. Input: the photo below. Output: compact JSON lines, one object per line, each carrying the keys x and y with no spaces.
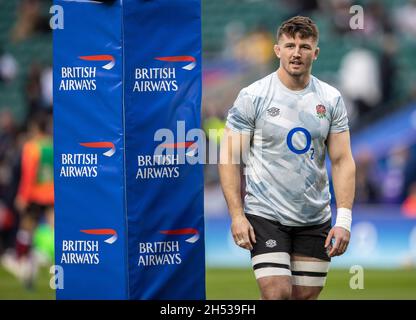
{"x":101,"y":145}
{"x":185,"y":231}
{"x":103,"y":232}
{"x":190,"y":59}
{"x":101,"y":57}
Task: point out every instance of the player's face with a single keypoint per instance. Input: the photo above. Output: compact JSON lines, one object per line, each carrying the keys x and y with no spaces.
{"x":296,"y":54}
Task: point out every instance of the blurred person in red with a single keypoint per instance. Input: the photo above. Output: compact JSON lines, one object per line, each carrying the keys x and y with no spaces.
{"x":36,"y":184}
{"x":35,"y":195}
{"x":409,"y":204}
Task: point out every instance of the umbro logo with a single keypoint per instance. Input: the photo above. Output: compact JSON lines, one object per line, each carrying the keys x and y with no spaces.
{"x":271,"y":243}
{"x":273,"y":111}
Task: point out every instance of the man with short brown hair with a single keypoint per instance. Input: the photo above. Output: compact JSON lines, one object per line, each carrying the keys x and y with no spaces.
{"x":288,"y":120}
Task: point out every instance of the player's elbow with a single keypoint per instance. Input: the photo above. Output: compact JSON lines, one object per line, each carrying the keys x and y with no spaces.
{"x":349,"y":165}
{"x":344,"y":162}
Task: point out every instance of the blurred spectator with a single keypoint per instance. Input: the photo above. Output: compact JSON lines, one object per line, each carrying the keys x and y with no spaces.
{"x":388,"y":67}
{"x":6,"y":226}
{"x":36,"y":185}
{"x":394,"y":179}
{"x":340,"y":15}
{"x":300,"y":7}
{"x":359,"y":77}
{"x":38,"y":90}
{"x":376,"y":20}
{"x":412,"y":92}
{"x":366,"y":189}
{"x":33,"y":91}
{"x":46,"y":88}
{"x":8,"y":67}
{"x":9,"y":176}
{"x":256,"y":48}
{"x":43,"y":239}
{"x":214,"y":128}
{"x":404,"y":17}
{"x":35,"y":194}
{"x":410,"y":171}
{"x":8,"y":132}
{"x":234,"y":33}
{"x":29,"y":20}
{"x":409,"y":204}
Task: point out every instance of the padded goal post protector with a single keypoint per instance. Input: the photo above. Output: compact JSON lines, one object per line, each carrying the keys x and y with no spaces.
{"x":128,"y":191}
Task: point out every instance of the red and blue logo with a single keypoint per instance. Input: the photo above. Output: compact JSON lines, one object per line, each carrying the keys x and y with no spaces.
{"x":185,"y":231}
{"x":101,"y":57}
{"x":101,"y":145}
{"x":190,"y":59}
{"x":101,"y":232}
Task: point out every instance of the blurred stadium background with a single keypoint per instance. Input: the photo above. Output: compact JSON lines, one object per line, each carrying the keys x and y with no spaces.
{"x":374,"y":69}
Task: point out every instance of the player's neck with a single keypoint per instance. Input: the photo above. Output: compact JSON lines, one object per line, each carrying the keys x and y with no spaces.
{"x":291,"y":82}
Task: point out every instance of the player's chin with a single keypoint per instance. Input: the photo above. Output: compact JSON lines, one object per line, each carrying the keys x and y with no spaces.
{"x":297,"y":72}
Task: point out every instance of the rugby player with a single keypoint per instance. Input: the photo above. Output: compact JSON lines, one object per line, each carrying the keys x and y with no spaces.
{"x":285,"y":123}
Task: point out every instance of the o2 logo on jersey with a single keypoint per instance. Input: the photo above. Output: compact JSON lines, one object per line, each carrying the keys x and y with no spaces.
{"x":308,"y":141}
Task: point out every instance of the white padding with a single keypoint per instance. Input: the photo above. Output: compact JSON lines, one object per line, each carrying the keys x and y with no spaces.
{"x":268,"y":272}
{"x":308,"y":281}
{"x":273,"y":257}
{"x":310,"y":266}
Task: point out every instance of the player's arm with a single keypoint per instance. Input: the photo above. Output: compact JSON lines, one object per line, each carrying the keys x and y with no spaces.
{"x":233,"y":146}
{"x":343,"y":177}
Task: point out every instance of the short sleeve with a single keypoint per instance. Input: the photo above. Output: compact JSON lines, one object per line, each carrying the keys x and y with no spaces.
{"x":242,"y":115}
{"x":339,"y":121}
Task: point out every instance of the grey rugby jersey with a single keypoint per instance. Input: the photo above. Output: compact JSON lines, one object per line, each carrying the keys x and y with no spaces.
{"x":286,"y":176}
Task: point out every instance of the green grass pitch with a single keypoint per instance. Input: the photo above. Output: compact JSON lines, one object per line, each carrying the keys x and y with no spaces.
{"x":235,"y":284}
{"x":378,"y":284}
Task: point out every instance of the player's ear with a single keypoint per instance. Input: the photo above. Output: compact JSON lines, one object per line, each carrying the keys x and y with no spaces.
{"x":316,"y":53}
{"x":276,"y":49}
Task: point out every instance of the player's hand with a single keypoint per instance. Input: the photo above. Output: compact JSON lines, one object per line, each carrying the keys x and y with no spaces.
{"x":342,"y":239}
{"x":243,"y":232}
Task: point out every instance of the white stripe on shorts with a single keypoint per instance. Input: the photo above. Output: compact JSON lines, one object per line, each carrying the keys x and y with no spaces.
{"x":268,"y":272}
{"x":310,"y":266}
{"x":315,"y":273}
{"x":272,"y":257}
{"x":308,"y":281}
{"x":268,"y":259}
